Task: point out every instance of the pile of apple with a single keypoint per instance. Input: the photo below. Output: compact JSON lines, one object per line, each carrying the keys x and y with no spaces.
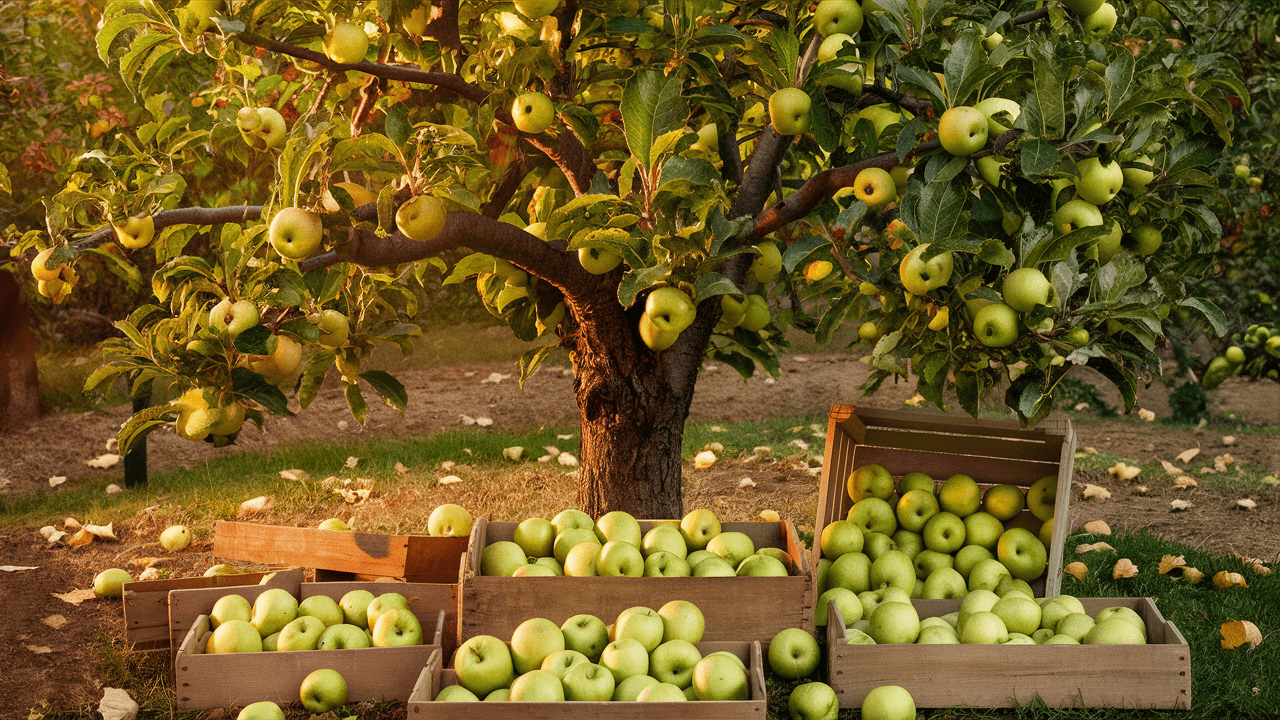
{"x":644,"y":656}
{"x":277,"y":621}
{"x":988,"y":618}
{"x":572,"y":544}
{"x":1259,"y":357}
{"x":932,"y":545}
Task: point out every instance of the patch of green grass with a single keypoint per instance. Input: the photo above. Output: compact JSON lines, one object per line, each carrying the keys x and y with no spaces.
{"x":1238,"y":477}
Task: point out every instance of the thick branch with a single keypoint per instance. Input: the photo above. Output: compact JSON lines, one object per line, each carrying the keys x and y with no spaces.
{"x":181,"y":216}
{"x":403,"y":73}
{"x":568,"y":153}
{"x":1031,"y":16}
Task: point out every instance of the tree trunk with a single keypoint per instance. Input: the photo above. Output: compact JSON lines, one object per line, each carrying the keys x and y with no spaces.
{"x":19,"y":379}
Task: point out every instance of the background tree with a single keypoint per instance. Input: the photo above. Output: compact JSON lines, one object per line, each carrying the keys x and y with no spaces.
{"x":625,"y":206}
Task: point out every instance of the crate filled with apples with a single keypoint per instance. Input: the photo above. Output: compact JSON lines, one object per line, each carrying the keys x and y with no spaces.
{"x":257,"y":643}
{"x":598,"y":670}
{"x":752,"y":579}
{"x":987,"y":649}
{"x":937,"y":506}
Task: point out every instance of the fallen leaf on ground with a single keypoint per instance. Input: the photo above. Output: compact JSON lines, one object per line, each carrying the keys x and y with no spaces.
{"x":1271,"y":480}
{"x":569,"y":436}
{"x":1077,"y":570}
{"x":447,"y":464}
{"x":1228,"y":440}
{"x":56,"y":537}
{"x":1097,"y":527}
{"x":1238,"y":632}
{"x":40,"y":649}
{"x":1246,"y":504}
{"x":352,"y":461}
{"x":746,"y":482}
{"x":113,"y":488}
{"x":151,"y":573}
{"x":553,"y":452}
{"x":1142,"y":489}
{"x":145,"y":562}
{"x":1124,"y":471}
{"x":1091,"y":450}
{"x":1170,"y":563}
{"x":800,"y":444}
{"x":18,"y":568}
{"x":1090,"y":547}
{"x":716,"y":428}
{"x":71,"y":523}
{"x":1170,"y":467}
{"x":402,"y":468}
{"x":484,"y":421}
{"x":1226,"y":580}
{"x":704,"y":460}
{"x":1186,"y":455}
{"x":762,"y":451}
{"x":450,"y":479}
{"x":103,"y":531}
{"x":714,"y":447}
{"x":1185,"y":481}
{"x":57,"y":480}
{"x":1124,"y":569}
{"x":1179,"y":505}
{"x":468,"y":420}
{"x":82,"y":537}
{"x":567,"y":459}
{"x":294,"y":475}
{"x":1147,"y":415}
{"x":1221,"y":462}
{"x":768,"y":516}
{"x":255,"y":505}
{"x":55,"y":621}
{"x":514,"y":453}
{"x":1192,"y":575}
{"x":1096,"y":492}
{"x":75,"y":597}
{"x":495,"y":378}
{"x":104,"y":461}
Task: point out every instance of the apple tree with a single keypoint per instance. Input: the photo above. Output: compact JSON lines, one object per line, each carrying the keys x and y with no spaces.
{"x":993,"y":191}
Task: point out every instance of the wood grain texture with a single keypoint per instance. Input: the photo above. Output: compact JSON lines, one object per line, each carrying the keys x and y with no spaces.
{"x":735,"y":608}
{"x":146,"y":606}
{"x":434,"y":678}
{"x":992,"y":452}
{"x":1155,"y":675}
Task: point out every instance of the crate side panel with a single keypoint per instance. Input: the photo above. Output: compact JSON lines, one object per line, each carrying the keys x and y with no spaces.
{"x":347,"y":551}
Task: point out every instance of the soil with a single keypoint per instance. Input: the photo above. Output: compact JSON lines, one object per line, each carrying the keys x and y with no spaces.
{"x":65,"y":676}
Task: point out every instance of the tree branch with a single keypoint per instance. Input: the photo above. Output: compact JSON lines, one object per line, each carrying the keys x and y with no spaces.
{"x":180,"y":216}
{"x":403,"y":73}
{"x":917,"y":106}
{"x":1031,"y":16}
{"x":568,"y":153}
{"x":443,"y":25}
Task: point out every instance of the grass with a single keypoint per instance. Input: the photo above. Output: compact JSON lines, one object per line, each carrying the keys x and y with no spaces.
{"x":1238,"y":477}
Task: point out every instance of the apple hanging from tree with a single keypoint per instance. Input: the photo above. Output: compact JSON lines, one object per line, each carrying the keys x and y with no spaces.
{"x":346,"y":43}
{"x":920,"y":276}
{"x":232,"y":318}
{"x":991,"y":107}
{"x":668,"y":311}
{"x":996,"y":325}
{"x":296,"y":233}
{"x":136,"y":232}
{"x":1025,"y":288}
{"x":837,"y":16}
{"x":789,"y":111}
{"x":598,"y":260}
{"x":875,"y":187}
{"x":1098,"y":182}
{"x":262,"y":128}
{"x":766,"y":265}
{"x":962,"y":130}
{"x":532,"y":112}
{"x":421,"y":219}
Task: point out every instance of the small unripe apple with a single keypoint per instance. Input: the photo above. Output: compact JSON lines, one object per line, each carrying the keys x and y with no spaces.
{"x":334,"y":328}
{"x":175,"y":538}
{"x":532,"y":112}
{"x":346,"y":43}
{"x":421,"y":218}
{"x":136,"y":232}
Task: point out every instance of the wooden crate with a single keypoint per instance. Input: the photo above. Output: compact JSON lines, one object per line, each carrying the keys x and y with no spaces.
{"x":146,"y":603}
{"x":1155,"y":675}
{"x":735,"y":608}
{"x":216,"y":681}
{"x":993,"y":452}
{"x":356,"y":555}
{"x":434,"y":678}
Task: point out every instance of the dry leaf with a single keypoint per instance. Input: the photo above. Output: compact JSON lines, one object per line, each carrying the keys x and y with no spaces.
{"x":1192,"y":575}
{"x":1076,"y":569}
{"x":55,"y":621}
{"x":113,"y":488}
{"x":295,"y":475}
{"x":1096,"y":492}
{"x":1124,"y":569}
{"x":71,"y":523}
{"x":567,"y":460}
{"x":18,"y":568}
{"x":746,"y":482}
{"x":1246,"y":504}
{"x":495,"y":378}
{"x":102,"y":462}
{"x":75,"y":597}
{"x":800,"y":444}
{"x":1221,"y":462}
{"x":447,"y":465}
{"x":768,"y":516}
{"x":1238,"y":632}
{"x":514,"y":453}
{"x":82,"y":537}
{"x":40,"y":649}
{"x":704,"y":460}
{"x":484,"y":421}
{"x":57,"y":480}
{"x":47,"y":531}
{"x":103,"y":531}
{"x":468,"y":420}
{"x":1091,"y":450}
{"x":1123,"y":471}
{"x":145,"y":562}
{"x":1179,"y":505}
{"x":716,"y":428}
{"x":1228,"y":440}
{"x":255,"y":505}
{"x":151,"y":573}
{"x":1169,"y":564}
{"x":1186,"y":455}
{"x":56,"y":537}
{"x":1185,"y":481}
{"x":763,"y":451}
{"x":450,"y":479}
{"x":1170,"y":467}
{"x":401,"y":468}
{"x":1147,"y":415}
{"x":1226,"y":580}
{"x":1097,"y":527}
{"x":1142,"y":490}
{"x":351,"y":462}
{"x":714,"y":447}
{"x":565,"y":437}
{"x":1081,"y":406}
{"x":1090,"y":547}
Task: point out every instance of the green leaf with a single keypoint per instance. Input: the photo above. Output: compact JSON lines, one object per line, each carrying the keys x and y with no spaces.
{"x":961,"y":67}
{"x":1044,"y":247}
{"x":834,"y":317}
{"x":111,"y":30}
{"x":940,"y":214}
{"x":637,"y":280}
{"x":356,"y":402}
{"x":132,"y":333}
{"x":397,"y":124}
{"x":252,"y":386}
{"x":1217,"y":319}
{"x":800,"y":249}
{"x":1045,"y":106}
{"x":1119,"y":81}
{"x":313,"y":375}
{"x":1029,"y":398}
{"x":137,"y":427}
{"x":391,"y":389}
{"x":254,"y":341}
{"x":531,"y":360}
{"x":1113,"y":280}
{"x":694,"y":170}
{"x":104,"y":374}
{"x":712,"y":284}
{"x":473,"y":264}
{"x":1121,"y":376}
{"x":1037,"y":157}
{"x":652,"y":105}
{"x":969,"y":392}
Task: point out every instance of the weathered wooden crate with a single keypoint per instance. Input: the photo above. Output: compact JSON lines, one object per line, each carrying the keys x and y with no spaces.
{"x":735,"y":608}
{"x":215,"y":681}
{"x":434,"y":678}
{"x":343,"y":555}
{"x":992,"y":452}
{"x":146,"y":603}
{"x":1155,"y":675}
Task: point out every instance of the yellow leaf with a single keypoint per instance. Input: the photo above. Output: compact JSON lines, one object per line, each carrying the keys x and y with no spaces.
{"x":1170,"y":467}
{"x":75,"y":597}
{"x":82,"y":537}
{"x":1124,"y":569}
{"x":145,"y":562}
{"x":102,"y":531}
{"x":1186,"y":455}
{"x":1238,"y":632}
{"x":1123,"y":471}
{"x":255,"y":505}
{"x":769,"y":516}
{"x":1097,"y":527}
{"x":1192,"y":575}
{"x":1169,"y":563}
{"x":1185,"y":481}
{"x":1179,"y":505}
{"x":1090,"y":547}
{"x":55,"y":621}
{"x":1077,"y":569}
{"x":1096,"y":491}
{"x":1226,"y":580}
{"x":704,"y":460}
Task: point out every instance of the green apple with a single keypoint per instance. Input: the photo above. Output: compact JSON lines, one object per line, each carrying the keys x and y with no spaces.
{"x":450,"y":520}
{"x":1058,"y":607}
{"x":232,"y":318}
{"x":572,"y":519}
{"x":874,"y":515}
{"x":708,"y":142}
{"x":813,"y":701}
{"x":535,"y":536}
{"x":757,"y":315}
{"x":536,"y":9}
{"x":945,"y":583}
{"x":983,"y":628}
{"x":323,"y":608}
{"x":641,"y":624}
{"x":876,"y":544}
{"x":1042,"y":496}
{"x":989,"y":168}
{"x":561,"y":661}
{"x":568,"y":539}
{"x":1098,"y":183}
{"x":618,"y":558}
{"x":759,"y":565}
{"x":840,"y":537}
{"x":1075,"y":625}
{"x":960,"y":495}
{"x":971,"y":555}
{"x":920,"y":276}
{"x":261,"y":710}
{"x":875,"y":187}
{"x":1114,"y":631}
{"x":713,"y":567}
{"x":532,"y":112}
{"x":983,"y":529}
{"x":1023,"y":553}
{"x":986,"y":574}
{"x":110,"y":582}
{"x":136,"y":232}
{"x":944,"y":533}
{"x":699,"y":526}
{"x":620,"y":526}
{"x":1075,"y":214}
{"x":343,"y":636}
{"x":1144,"y":239}
{"x":915,"y":507}
{"x":1026,"y":288}
{"x":1126,"y":613}
{"x":888,"y":702}
{"x":483,"y":664}
{"x":893,"y":568}
{"x":869,"y":481}
{"x":915,"y":481}
{"x":625,"y":657}
{"x":581,"y":560}
{"x":718,"y":677}
{"x":793,"y":653}
{"x":346,"y":43}
{"x":537,"y":686}
{"x":230,"y":607}
{"x":894,"y":623}
{"x":234,"y":636}
{"x":682,"y":620}
{"x":272,"y":610}
{"x":928,"y":562}
{"x":537,"y":570}
{"x":668,"y":311}
{"x":502,"y":558}
{"x":296,"y":233}
{"x":302,"y":633}
{"x":732,"y":546}
{"x":845,"y":599}
{"x":598,"y":260}
{"x":335,"y":524}
{"x":996,"y":325}
{"x":1021,"y":614}
{"x":789,"y":111}
{"x":1082,"y":7}
{"x":532,"y":642}
{"x":673,"y":662}
{"x":766,"y":265}
{"x":962,"y":130}
{"x":586,"y":634}
{"x":732,"y":312}
{"x":993,"y":106}
{"x":262,"y":128}
{"x":881,"y":116}
{"x":589,"y":682}
{"x":851,"y":571}
{"x":942,"y":634}
{"x":1137,"y":179}
{"x":323,"y":690}
{"x":1003,"y":502}
{"x":834,"y":17}
{"x":175,"y":538}
{"x":421,"y":219}
{"x":1101,"y":21}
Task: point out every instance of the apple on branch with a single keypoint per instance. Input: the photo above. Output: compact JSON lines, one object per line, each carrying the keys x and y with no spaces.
{"x":962,"y":130}
{"x":532,"y":112}
{"x":668,"y":311}
{"x":346,"y":43}
{"x":136,"y":232}
{"x":789,"y":111}
{"x":421,"y":219}
{"x":262,"y":128}
{"x":296,"y":233}
{"x":837,"y":16}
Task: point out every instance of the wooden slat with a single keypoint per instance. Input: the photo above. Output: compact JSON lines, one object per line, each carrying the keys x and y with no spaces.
{"x":736,"y":608}
{"x":435,"y":678}
{"x":426,"y":559}
{"x":1156,"y":675}
{"x":185,"y":605}
{"x":146,"y":605}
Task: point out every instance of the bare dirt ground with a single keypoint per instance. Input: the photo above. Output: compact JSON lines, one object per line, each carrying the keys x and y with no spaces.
{"x":57,"y":665}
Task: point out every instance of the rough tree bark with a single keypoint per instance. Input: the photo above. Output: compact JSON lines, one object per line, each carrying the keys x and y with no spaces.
{"x":19,"y":378}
